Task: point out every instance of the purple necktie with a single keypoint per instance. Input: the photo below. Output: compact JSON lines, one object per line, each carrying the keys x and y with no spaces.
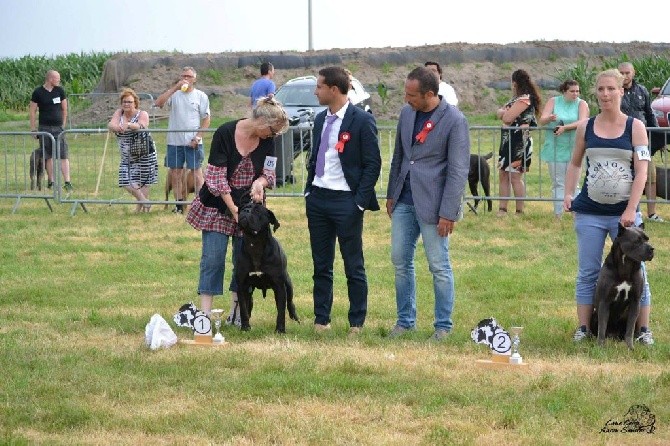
{"x":323,"y":146}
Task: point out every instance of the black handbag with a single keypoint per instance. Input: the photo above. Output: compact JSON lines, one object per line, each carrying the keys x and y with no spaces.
{"x":141,"y":144}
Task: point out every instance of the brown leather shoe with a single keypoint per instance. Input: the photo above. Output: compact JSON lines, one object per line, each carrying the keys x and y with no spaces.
{"x":320,"y":328}
{"x":399,"y":331}
{"x":355,"y":331}
{"x":439,"y":335}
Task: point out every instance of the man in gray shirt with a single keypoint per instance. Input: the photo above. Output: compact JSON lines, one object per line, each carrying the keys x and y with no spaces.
{"x":189,"y":110}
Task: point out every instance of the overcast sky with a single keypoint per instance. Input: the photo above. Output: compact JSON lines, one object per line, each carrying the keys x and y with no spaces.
{"x":48,"y":27}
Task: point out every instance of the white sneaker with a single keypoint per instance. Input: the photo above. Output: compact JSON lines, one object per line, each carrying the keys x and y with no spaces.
{"x":236,"y":322}
{"x":234,"y":316}
{"x":655,"y":217}
{"x":645,"y":336}
{"x":581,"y":334}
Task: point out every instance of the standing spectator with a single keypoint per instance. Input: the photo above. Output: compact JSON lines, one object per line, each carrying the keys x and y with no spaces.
{"x":351,"y":94}
{"x":636,"y":102}
{"x":564,"y":113}
{"x":241,"y":158}
{"x":342,"y":171}
{"x":516,"y":145}
{"x":51,"y":101}
{"x":426,"y":184}
{"x":446,"y":90}
{"x":189,"y":110}
{"x":617,"y":157}
{"x":136,"y":174}
{"x":263,"y":87}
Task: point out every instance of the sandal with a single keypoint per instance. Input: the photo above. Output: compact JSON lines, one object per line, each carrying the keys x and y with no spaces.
{"x":146,"y":208}
{"x":502,"y":212}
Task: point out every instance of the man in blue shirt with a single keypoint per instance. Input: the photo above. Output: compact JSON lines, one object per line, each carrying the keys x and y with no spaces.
{"x":263,"y":87}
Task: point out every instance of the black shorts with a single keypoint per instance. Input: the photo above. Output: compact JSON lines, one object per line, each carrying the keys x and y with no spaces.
{"x":45,"y":142}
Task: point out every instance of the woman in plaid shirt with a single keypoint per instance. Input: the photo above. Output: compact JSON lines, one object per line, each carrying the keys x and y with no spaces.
{"x":241,"y":163}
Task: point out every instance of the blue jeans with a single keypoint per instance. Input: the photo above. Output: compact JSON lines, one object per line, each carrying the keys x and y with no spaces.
{"x":591,"y":233}
{"x":213,"y":262}
{"x":405,"y":230}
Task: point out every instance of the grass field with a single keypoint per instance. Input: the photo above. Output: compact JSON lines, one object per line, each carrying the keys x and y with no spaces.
{"x":77,"y":293}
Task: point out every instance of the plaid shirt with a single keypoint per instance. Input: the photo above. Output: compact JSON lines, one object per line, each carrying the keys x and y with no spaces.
{"x":205,"y":218}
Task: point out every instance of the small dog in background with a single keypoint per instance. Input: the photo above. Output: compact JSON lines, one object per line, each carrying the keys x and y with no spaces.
{"x":36,"y":169}
{"x":187,"y":185}
{"x":480,"y":172}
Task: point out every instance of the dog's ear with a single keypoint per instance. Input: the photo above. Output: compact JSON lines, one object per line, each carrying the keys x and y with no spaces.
{"x":622,"y":229}
{"x":245,"y":198}
{"x":273,"y":220}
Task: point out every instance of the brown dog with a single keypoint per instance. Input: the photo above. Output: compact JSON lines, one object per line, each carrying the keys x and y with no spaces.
{"x":36,"y":169}
{"x":187,"y":185}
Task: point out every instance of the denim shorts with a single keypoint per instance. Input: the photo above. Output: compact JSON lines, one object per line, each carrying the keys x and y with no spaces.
{"x":178,"y":155}
{"x":213,"y":262}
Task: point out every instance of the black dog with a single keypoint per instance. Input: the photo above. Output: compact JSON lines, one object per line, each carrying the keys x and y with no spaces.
{"x":480,"y":173}
{"x":262,"y":264}
{"x":36,"y":169}
{"x":616,"y":304}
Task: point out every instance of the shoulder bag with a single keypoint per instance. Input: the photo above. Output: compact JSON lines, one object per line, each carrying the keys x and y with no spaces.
{"x":141,"y":144}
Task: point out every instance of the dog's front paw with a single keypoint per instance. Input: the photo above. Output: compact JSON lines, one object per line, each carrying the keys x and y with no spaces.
{"x":280,"y":330}
{"x":629,"y":343}
{"x":245,"y":327}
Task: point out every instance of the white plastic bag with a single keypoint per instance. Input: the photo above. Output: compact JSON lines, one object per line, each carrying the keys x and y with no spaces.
{"x":159,"y":334}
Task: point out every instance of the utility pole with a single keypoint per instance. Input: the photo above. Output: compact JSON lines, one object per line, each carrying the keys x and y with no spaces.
{"x":310,"y":45}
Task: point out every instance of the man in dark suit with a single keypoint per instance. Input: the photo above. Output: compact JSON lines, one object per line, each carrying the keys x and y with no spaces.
{"x":426,"y":183}
{"x":341,"y":177}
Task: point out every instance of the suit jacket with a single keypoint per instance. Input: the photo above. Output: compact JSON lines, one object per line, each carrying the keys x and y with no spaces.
{"x":439,"y":167}
{"x":361,"y":159}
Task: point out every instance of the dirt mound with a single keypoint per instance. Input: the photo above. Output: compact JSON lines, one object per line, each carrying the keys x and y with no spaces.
{"x":476,"y":71}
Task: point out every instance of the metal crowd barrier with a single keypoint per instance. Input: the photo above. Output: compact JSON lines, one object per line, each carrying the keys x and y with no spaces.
{"x":94,"y":162}
{"x":537,"y":181}
{"x":23,"y":173}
